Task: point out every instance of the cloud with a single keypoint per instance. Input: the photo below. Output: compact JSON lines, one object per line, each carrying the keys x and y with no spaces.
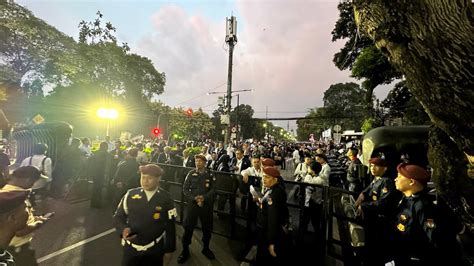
{"x":284,"y":54}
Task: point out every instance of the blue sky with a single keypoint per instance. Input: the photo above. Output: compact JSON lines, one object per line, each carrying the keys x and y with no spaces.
{"x":284,"y":51}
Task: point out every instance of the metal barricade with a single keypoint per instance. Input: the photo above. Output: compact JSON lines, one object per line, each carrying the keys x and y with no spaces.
{"x":56,"y":135}
{"x":332,"y":211}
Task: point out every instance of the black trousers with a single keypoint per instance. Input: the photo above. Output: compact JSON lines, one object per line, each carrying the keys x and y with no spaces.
{"x":205,"y":214}
{"x":251,"y":223}
{"x":264,"y":257}
{"x":151,"y":257}
{"x":378,"y":242}
{"x":222,"y":199}
{"x":311,"y":214}
{"x":96,"y":199}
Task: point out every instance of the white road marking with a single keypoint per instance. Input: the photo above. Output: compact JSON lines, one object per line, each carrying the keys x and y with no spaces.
{"x":73,"y":246}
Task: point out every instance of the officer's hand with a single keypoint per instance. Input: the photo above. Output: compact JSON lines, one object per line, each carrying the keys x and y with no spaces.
{"x":245,"y":178}
{"x":127,"y":234}
{"x":359,"y":200}
{"x":359,"y":212}
{"x":271,"y":249}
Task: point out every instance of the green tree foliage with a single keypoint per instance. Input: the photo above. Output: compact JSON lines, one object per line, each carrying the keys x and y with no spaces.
{"x":360,"y":55}
{"x":343,"y":104}
{"x":198,"y":126}
{"x":81,"y":75}
{"x":401,"y":103}
{"x":243,"y":115}
{"x":26,"y":46}
{"x":346,"y":28}
{"x":316,"y":124}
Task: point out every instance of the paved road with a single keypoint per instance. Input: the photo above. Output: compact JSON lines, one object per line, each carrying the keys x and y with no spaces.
{"x":79,"y":235}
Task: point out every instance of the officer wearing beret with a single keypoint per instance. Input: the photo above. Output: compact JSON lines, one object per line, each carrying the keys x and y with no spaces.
{"x":375,"y":205}
{"x":272,"y":216}
{"x":23,"y":179}
{"x":199,"y":193}
{"x":13,"y":218}
{"x":416,"y":224}
{"x":145,"y":220}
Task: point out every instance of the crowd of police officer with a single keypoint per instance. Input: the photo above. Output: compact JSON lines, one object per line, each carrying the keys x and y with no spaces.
{"x":402,"y":223}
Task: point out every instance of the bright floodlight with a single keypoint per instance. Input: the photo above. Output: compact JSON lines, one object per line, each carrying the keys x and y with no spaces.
{"x":107,"y":113}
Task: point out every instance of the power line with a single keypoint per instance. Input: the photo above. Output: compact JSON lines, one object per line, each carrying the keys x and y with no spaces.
{"x":200,"y":95}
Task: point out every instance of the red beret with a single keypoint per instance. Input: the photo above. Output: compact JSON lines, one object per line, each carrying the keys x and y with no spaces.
{"x":200,"y":156}
{"x":151,"y":169}
{"x":268,"y":162}
{"x":271,"y":171}
{"x":414,"y":172}
{"x":10,"y":200}
{"x":378,"y":161}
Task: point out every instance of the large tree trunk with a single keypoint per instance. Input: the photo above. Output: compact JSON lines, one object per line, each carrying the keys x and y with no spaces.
{"x":432,"y":42}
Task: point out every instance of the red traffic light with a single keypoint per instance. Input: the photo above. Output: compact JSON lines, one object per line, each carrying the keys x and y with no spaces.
{"x":189,"y":112}
{"x":156,"y":131}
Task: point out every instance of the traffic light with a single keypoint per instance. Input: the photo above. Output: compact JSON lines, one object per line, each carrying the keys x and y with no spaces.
{"x":189,"y":112}
{"x":156,"y":131}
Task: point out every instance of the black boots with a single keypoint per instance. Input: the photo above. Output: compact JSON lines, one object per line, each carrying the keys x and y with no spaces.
{"x":184,"y":256}
{"x":208,"y":253}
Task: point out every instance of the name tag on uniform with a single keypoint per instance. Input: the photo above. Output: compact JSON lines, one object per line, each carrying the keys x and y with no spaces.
{"x":172,"y":213}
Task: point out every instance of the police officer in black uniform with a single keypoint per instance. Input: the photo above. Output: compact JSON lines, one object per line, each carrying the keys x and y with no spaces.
{"x":145,"y":220}
{"x":13,"y":218}
{"x":416,"y":221}
{"x":376,"y":204}
{"x":199,"y":192}
{"x":272,"y":217}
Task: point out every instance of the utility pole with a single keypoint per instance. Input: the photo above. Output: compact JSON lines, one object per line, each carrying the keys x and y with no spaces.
{"x":231,"y":40}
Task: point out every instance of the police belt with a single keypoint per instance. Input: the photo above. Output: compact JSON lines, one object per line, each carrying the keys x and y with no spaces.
{"x":144,"y":247}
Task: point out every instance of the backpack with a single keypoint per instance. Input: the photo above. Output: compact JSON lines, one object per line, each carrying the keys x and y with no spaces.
{"x":42,"y":164}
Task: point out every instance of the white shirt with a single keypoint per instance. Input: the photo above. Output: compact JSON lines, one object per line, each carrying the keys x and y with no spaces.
{"x":321,"y":179}
{"x":86,"y":150}
{"x":296,"y":155}
{"x":301,"y":171}
{"x":251,"y":171}
{"x":239,"y":165}
{"x":37,"y":161}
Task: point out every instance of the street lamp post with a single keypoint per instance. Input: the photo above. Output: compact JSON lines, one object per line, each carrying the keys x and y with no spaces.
{"x":107,"y":114}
